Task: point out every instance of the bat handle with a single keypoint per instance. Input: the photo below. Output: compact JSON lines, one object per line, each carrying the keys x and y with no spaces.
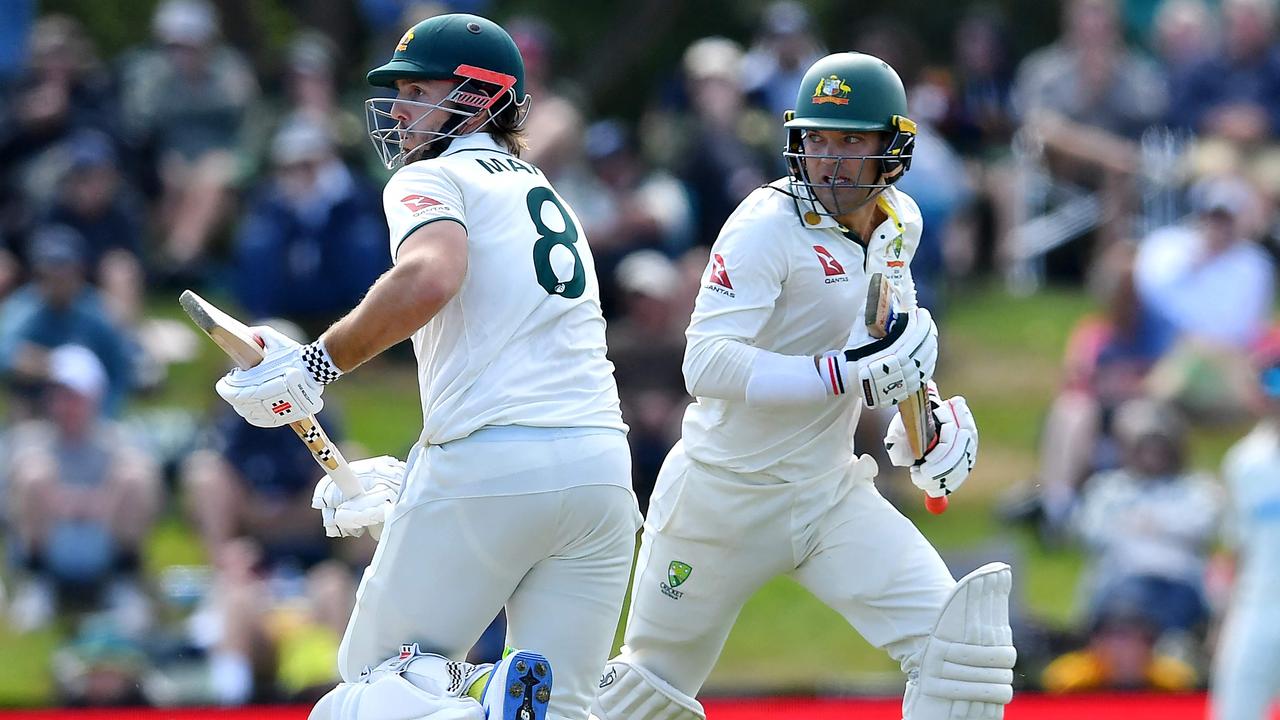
{"x":936,"y":505}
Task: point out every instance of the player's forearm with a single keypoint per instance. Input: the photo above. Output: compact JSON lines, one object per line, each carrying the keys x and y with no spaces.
{"x":399,"y":303}
{"x":729,"y":369}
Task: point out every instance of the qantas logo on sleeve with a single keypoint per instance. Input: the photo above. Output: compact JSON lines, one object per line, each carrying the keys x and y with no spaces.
{"x":718,"y":276}
{"x":418,"y":203}
{"x":830,"y":266}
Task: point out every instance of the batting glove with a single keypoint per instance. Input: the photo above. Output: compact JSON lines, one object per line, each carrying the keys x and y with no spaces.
{"x":889,"y":369}
{"x":947,"y":464}
{"x":381,"y":477}
{"x":287,"y":384}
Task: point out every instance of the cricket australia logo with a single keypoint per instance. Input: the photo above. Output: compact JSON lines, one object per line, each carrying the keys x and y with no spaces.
{"x":831,"y":267}
{"x":831,"y":90}
{"x":677,"y":573}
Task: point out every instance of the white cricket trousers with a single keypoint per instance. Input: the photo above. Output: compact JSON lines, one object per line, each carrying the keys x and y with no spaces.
{"x":727,"y":534}
{"x":1246,"y":670}
{"x":558,"y":560}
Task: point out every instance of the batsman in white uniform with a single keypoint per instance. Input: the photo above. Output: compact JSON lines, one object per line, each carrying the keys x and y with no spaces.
{"x":1246,"y":670}
{"x":765,"y":481}
{"x":518,"y":492}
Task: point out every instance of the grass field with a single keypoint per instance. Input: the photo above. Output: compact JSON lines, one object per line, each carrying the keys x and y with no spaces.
{"x":1001,"y":352}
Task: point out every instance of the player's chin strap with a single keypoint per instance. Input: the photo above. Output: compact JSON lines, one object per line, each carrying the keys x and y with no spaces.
{"x":966,"y":670}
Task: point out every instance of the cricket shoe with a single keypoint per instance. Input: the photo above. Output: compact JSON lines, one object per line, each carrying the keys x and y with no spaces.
{"x":519,"y":687}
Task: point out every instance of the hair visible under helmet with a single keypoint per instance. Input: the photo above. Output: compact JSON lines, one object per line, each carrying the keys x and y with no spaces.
{"x":853,"y":92}
{"x":472,"y":50}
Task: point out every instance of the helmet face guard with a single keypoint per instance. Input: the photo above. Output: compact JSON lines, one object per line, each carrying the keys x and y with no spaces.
{"x":479,"y":91}
{"x":891,"y":164}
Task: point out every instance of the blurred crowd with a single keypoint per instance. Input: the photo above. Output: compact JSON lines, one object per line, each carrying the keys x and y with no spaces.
{"x":1134,"y":156}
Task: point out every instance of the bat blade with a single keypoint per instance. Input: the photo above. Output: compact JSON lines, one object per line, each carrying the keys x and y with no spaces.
{"x":917,"y":416}
{"x":246,"y":349}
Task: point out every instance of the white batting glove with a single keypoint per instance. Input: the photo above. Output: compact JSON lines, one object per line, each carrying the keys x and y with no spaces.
{"x":287,"y":384}
{"x":381,"y":477}
{"x":889,"y":369}
{"x":946,"y":465}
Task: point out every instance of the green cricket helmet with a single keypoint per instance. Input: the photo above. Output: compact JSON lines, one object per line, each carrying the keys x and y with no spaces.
{"x":857,"y":93}
{"x":474,"y":51}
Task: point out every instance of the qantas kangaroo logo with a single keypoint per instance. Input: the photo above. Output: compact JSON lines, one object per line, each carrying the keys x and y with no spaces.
{"x":830,"y":266}
{"x":718,"y":277}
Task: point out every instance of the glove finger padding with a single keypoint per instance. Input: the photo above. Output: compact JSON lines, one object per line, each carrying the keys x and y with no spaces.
{"x":896,"y":444}
{"x":272,"y":401}
{"x":948,"y":464}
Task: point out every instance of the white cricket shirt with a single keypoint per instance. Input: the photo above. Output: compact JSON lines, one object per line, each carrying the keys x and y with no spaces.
{"x":779,"y":284}
{"x":523,"y":342}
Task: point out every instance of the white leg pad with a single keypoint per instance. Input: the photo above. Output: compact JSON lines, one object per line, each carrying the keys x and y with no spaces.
{"x":413,"y":686}
{"x":630,"y":692}
{"x":966,"y":670}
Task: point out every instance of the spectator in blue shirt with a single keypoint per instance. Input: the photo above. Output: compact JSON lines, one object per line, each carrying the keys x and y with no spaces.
{"x":58,"y":308}
{"x":314,"y":238}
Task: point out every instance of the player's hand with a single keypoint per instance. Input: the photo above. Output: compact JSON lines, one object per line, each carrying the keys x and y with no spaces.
{"x":381,"y":477}
{"x":889,"y":369}
{"x":284,"y":387}
{"x":946,"y":465}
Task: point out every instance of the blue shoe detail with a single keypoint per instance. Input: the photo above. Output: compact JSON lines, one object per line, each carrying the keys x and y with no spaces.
{"x":519,"y":688}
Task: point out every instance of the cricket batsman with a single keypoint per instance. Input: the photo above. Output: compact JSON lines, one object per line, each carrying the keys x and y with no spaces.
{"x":765,"y":480}
{"x":518,"y":491}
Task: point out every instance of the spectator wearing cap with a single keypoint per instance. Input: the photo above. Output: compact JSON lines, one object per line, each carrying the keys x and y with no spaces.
{"x":646,"y":345}
{"x":1212,"y":286}
{"x":187,"y":99}
{"x":313,"y":238}
{"x":96,"y":201}
{"x":57,"y":308}
{"x":1149,"y":524}
{"x":1245,"y":675}
{"x":82,"y":499}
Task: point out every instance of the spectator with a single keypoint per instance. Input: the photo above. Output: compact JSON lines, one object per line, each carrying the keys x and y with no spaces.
{"x":83,"y":500}
{"x":636,"y":207}
{"x":723,"y":148}
{"x":1184,"y":35}
{"x":187,"y":99}
{"x":1212,"y":285}
{"x":1235,"y":93}
{"x":1148,"y":525}
{"x":978,"y":120}
{"x":774,"y":66}
{"x":1244,"y":680}
{"x":59,"y":308}
{"x":1121,"y":655}
{"x":1107,"y":357}
{"x":646,"y":346}
{"x":558,"y":122}
{"x":96,"y":202}
{"x":314,"y":238}
{"x":1085,"y":100}
{"x":64,"y":89}
{"x":310,"y":94}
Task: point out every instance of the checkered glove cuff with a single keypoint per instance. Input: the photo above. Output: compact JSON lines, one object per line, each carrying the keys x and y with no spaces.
{"x":319,"y":364}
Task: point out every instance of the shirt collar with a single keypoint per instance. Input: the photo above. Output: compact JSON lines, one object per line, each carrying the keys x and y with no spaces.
{"x":474,"y":141}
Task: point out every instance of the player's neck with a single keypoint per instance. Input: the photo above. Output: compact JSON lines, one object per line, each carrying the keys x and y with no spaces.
{"x":863,"y":221}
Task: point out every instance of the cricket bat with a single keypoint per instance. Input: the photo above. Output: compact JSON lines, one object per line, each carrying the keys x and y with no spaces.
{"x":245,"y":348}
{"x":915,"y":411}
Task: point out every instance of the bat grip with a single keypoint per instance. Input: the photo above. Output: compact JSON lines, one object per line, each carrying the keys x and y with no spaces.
{"x":347,"y":481}
{"x":936,"y":505}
